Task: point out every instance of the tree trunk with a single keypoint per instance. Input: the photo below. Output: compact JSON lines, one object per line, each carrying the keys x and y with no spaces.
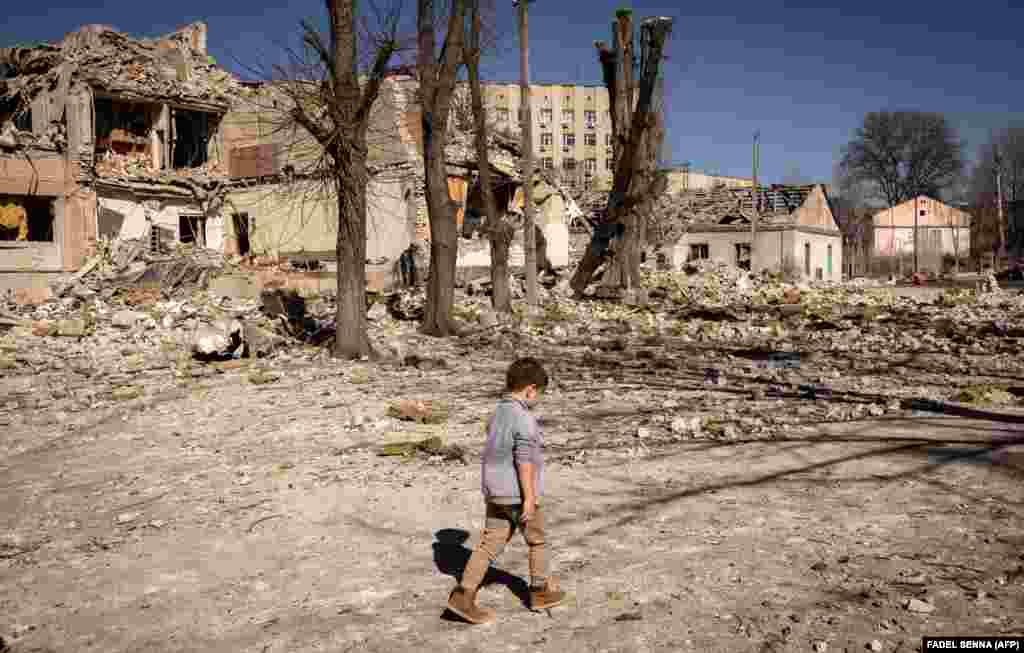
{"x":501,"y":294}
{"x":444,"y":243}
{"x":351,"y":340}
{"x":638,"y":137}
{"x":498,"y":230}
{"x":437,"y":84}
{"x":529,"y":239}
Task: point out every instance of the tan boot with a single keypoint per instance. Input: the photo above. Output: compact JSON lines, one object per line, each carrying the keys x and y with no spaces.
{"x":546,"y":597}
{"x":463,"y":603}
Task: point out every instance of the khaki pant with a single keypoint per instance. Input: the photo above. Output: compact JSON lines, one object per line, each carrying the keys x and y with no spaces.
{"x":502,"y":522}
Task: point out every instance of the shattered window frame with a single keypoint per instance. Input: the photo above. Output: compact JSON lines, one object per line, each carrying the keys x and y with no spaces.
{"x":197,"y":229}
{"x":200,"y":141}
{"x":21,"y":116}
{"x":33,"y":227}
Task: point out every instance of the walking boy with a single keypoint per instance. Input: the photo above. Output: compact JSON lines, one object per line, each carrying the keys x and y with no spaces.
{"x":512,"y":484}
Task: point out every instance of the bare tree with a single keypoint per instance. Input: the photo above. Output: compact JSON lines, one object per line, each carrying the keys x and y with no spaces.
{"x":638,"y":131}
{"x":998,"y":182}
{"x":333,"y":111}
{"x":438,"y":76}
{"x":904,"y":154}
{"x":499,"y":230}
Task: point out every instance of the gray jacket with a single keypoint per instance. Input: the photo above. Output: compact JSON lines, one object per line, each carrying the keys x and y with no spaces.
{"x":513,"y":438}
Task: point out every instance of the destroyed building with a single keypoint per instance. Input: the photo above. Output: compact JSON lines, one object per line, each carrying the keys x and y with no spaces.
{"x":796,"y":229}
{"x":103,"y":135}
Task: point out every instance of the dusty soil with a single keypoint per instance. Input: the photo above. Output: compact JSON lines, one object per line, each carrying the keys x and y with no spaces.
{"x":226,"y":516}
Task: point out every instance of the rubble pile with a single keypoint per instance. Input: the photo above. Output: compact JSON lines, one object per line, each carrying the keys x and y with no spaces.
{"x":718,"y":349}
{"x":170,"y":68}
{"x":120,"y":265}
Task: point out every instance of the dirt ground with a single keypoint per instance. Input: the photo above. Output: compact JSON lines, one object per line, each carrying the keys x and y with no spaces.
{"x":229,"y":516}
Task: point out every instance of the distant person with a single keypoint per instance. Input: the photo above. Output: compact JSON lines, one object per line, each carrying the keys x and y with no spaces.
{"x":407,"y":265}
{"x":512,"y":484}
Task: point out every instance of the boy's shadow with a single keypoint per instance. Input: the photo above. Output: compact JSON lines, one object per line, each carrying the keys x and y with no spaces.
{"x":451,"y":556}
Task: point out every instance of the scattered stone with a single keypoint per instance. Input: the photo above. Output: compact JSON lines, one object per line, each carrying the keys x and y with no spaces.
{"x":71,"y":328}
{"x":127,"y":517}
{"x":261,"y":377}
{"x":876,"y":646}
{"x":423,"y":412}
{"x":488,"y":319}
{"x":917,"y":605}
{"x":432,"y":446}
{"x":222,"y":339}
{"x":820,"y":647}
{"x":260,"y":342}
{"x":125,"y":393}
{"x":378,"y":311}
{"x":126,"y":319}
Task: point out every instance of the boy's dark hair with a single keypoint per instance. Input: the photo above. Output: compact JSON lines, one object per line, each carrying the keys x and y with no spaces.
{"x":524,"y":372}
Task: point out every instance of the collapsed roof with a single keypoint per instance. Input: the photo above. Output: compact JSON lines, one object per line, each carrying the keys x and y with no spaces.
{"x":174,"y":68}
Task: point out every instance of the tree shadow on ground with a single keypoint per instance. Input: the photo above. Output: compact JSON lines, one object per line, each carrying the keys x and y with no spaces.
{"x":641,"y":501}
{"x":451,"y":556}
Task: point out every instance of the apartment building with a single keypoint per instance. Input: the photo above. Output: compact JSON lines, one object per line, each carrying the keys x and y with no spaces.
{"x":572,"y":128}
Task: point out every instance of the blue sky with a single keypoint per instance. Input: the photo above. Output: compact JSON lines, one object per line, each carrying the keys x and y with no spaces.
{"x":802,"y":75}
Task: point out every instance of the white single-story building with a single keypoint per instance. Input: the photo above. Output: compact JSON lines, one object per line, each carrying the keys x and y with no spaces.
{"x":796,"y":230}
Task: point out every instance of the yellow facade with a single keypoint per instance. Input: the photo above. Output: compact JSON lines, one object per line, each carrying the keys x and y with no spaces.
{"x":570,"y":122}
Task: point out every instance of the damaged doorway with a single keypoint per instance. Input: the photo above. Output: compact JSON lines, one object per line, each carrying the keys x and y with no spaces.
{"x":26,"y":218}
{"x":192,"y":229}
{"x":743,"y":256}
{"x":241,"y":223}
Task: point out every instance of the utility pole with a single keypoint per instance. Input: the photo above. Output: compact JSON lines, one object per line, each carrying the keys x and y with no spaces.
{"x":999,"y":208}
{"x":915,"y":235}
{"x":757,"y":205}
{"x":529,"y":241}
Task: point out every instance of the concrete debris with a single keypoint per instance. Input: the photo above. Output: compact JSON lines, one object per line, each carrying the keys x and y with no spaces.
{"x":423,"y":412}
{"x":220,"y":340}
{"x":917,"y":605}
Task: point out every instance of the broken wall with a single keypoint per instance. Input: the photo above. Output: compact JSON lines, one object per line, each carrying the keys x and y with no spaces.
{"x":284,"y":221}
{"x":815,"y":211}
{"x":124,"y":216}
{"x":772,"y":246}
{"x":31,"y":179}
{"x":831,"y":270}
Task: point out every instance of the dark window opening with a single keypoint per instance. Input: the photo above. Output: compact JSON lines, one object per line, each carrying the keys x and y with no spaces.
{"x":26,"y":218}
{"x":124,"y":127}
{"x":191,"y":138}
{"x":743,"y":256}
{"x":241,"y":222}
{"x":192,"y":229}
{"x":699,"y":251}
{"x":20,"y":116}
